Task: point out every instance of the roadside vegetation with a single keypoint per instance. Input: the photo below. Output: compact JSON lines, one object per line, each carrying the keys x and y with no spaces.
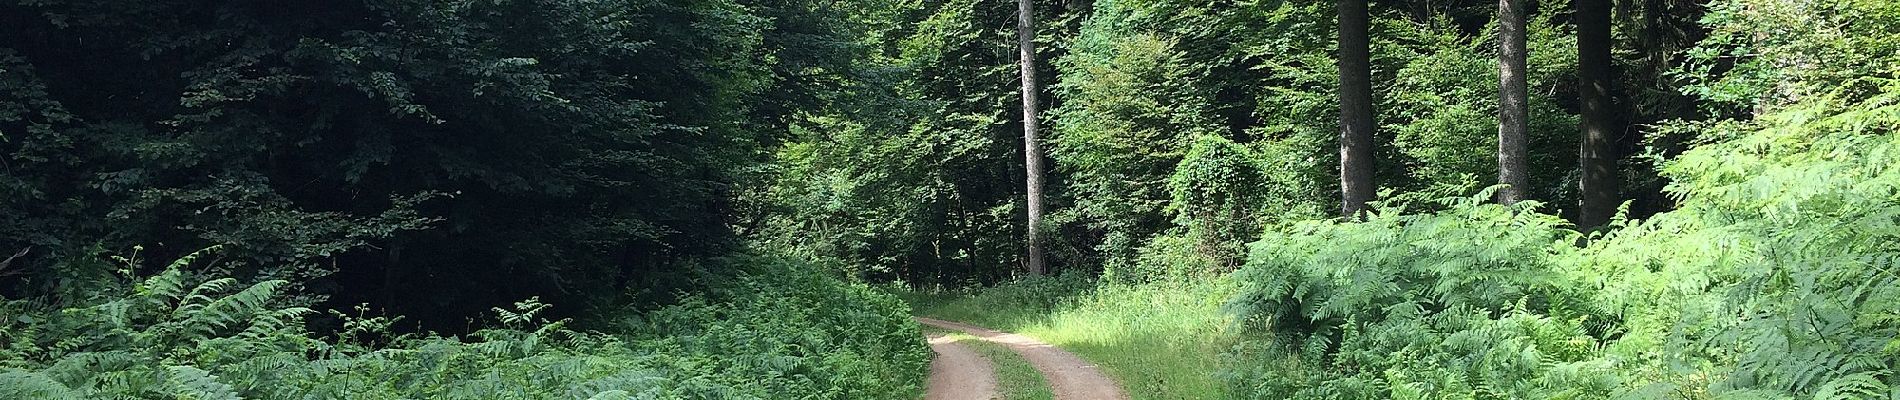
{"x":178,"y":335}
{"x":1766,"y":283}
{"x":422,"y":200}
{"x":1753,"y":255}
{"x":747,"y":199}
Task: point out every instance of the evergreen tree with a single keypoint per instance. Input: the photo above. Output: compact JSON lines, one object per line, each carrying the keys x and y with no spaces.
{"x":1599,"y":187}
{"x":1356,"y":125}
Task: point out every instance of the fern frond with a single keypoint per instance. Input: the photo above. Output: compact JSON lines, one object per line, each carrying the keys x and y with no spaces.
{"x":24,"y":385}
{"x":170,"y":282}
{"x":196,"y":384}
{"x":1860,"y":386}
{"x":226,"y":311}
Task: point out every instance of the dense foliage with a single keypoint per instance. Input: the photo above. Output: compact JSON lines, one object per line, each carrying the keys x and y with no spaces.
{"x":180,"y":335}
{"x":1466,"y":303}
{"x":920,"y":176}
{"x":1774,"y":279}
{"x":371,"y":150}
{"x":920,"y":188}
{"x":619,"y":163}
{"x":1767,"y":283}
{"x":1754,"y":259}
{"x":424,"y":164}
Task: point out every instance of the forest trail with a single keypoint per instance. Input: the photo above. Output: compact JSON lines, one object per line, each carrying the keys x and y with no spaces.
{"x":959,"y":373}
{"x":1069,"y":377}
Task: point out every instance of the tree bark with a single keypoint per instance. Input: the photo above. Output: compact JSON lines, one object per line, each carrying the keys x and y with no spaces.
{"x":1355,"y":109}
{"x":1032,"y":148}
{"x":1596,"y":153}
{"x":1513,"y":109}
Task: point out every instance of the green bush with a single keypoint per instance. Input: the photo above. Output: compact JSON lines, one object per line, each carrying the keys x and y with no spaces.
{"x":777,"y":331}
{"x":1129,"y":109}
{"x":1219,"y":194}
{"x":1465,"y":303}
{"x":1778,"y":273}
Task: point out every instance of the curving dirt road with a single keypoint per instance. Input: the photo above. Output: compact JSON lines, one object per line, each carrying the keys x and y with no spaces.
{"x":1069,"y":377}
{"x":958,"y":373}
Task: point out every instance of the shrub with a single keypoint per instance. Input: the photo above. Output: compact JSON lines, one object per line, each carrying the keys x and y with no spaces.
{"x":1464,"y":303}
{"x":1777,"y":275}
{"x":1219,"y":193}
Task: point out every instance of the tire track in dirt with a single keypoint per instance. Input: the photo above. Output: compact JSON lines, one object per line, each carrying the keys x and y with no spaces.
{"x":1069,"y":377}
{"x":959,"y":373}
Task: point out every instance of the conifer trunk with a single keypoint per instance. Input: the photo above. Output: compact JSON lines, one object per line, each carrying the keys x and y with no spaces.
{"x":1032,"y":149}
{"x":1596,"y":153}
{"x":1513,"y":109}
{"x":1355,"y":109}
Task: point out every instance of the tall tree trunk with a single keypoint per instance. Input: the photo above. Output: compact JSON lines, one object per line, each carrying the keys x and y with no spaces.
{"x":1513,"y":110}
{"x":1596,"y":154}
{"x":1355,"y":109}
{"x":1032,"y":148}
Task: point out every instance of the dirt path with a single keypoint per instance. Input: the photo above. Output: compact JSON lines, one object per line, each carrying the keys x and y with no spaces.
{"x":1069,"y":376}
{"x":958,"y":373}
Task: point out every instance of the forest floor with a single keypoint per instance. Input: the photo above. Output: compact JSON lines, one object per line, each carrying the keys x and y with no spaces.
{"x":961,"y":373}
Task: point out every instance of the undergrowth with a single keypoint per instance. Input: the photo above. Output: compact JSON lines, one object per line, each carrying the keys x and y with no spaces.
{"x":776,"y":331}
{"x":1775,"y":278}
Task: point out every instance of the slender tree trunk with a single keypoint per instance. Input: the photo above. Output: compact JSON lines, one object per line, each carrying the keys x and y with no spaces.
{"x":390,"y":274}
{"x":1596,"y":154}
{"x":1514,"y":111}
{"x":1355,"y":109}
{"x":1032,"y":148}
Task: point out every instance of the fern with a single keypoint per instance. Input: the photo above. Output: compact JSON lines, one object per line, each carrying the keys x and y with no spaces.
{"x":1778,"y":277}
{"x":191,"y":383}
{"x":16,"y":384}
{"x":177,"y":335}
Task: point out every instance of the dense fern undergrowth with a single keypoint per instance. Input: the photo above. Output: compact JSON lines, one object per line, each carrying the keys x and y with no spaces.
{"x":777,"y":330}
{"x":1777,"y":278}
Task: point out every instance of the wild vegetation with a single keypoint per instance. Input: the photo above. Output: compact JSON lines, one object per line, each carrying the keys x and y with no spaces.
{"x":1659,"y":199}
{"x":1762,"y":265}
{"x":419,"y":200}
{"x":179,"y":335}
